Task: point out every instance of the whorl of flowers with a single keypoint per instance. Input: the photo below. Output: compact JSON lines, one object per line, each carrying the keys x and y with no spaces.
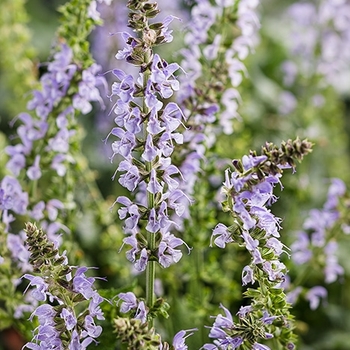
{"x":68,"y":323}
{"x":249,"y":190}
{"x":146,"y":133}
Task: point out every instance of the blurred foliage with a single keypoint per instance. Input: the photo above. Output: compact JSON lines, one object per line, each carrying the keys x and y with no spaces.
{"x":17,"y":70}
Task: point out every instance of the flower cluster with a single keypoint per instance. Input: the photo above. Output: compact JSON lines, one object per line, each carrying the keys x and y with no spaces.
{"x":317,"y":234}
{"x":146,"y":136}
{"x":317,"y":35}
{"x":317,"y":244}
{"x":68,"y":323}
{"x":54,"y":87}
{"x":210,"y":105}
{"x":231,"y":335}
{"x":249,"y":190}
{"x":221,"y":53}
{"x":44,"y":143}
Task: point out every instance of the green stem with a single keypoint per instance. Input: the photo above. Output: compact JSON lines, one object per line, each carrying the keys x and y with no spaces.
{"x":151,"y":238}
{"x":151,"y":266}
{"x":150,"y":273}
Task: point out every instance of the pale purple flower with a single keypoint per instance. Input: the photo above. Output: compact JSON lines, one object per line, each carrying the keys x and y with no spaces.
{"x":53,"y":206}
{"x":274,"y":269}
{"x":275,"y":244}
{"x":93,"y":13}
{"x":251,"y":244}
{"x":23,"y":309}
{"x":37,"y":211}
{"x":251,"y":161}
{"x":247,"y":275}
{"x":132,"y":241}
{"x":175,"y":201}
{"x":336,"y":190}
{"x":41,"y":290}
{"x":81,"y":104}
{"x":167,"y":255}
{"x":332,"y":269}
{"x":240,"y":209}
{"x":154,"y":186}
{"x":163,"y":217}
{"x":163,"y":78}
{"x":94,"y":308}
{"x":58,"y":164}
{"x":151,"y":151}
{"x":224,"y":236}
{"x":47,"y":334}
{"x":125,"y":145}
{"x":301,"y":252}
{"x":152,"y":225}
{"x":19,"y":252}
{"x":209,"y":347}
{"x":130,"y":210}
{"x":141,"y":312}
{"x":172,"y":116}
{"x":221,"y":322}
{"x":131,"y":178}
{"x":141,"y":263}
{"x":69,"y":319}
{"x":235,"y":69}
{"x":34,"y":171}
{"x":267,"y":319}
{"x":168,"y":171}
{"x":17,"y":161}
{"x":83,"y":284}
{"x":292,"y":296}
{"x":267,"y":221}
{"x":133,"y":121}
{"x":166,"y":32}
{"x":129,"y":301}
{"x":211,"y":51}
{"x":60,"y":142}
{"x":6,"y":202}
{"x":125,"y":88}
{"x":244,"y":310}
{"x":154,"y":127}
{"x":180,"y":337}
{"x":92,"y":330}
{"x":202,"y":18}
{"x":75,"y":343}
{"x":45,"y":314}
{"x":314,"y":296}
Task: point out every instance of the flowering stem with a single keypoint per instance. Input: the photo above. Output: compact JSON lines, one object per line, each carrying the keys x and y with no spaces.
{"x":151,"y":266}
